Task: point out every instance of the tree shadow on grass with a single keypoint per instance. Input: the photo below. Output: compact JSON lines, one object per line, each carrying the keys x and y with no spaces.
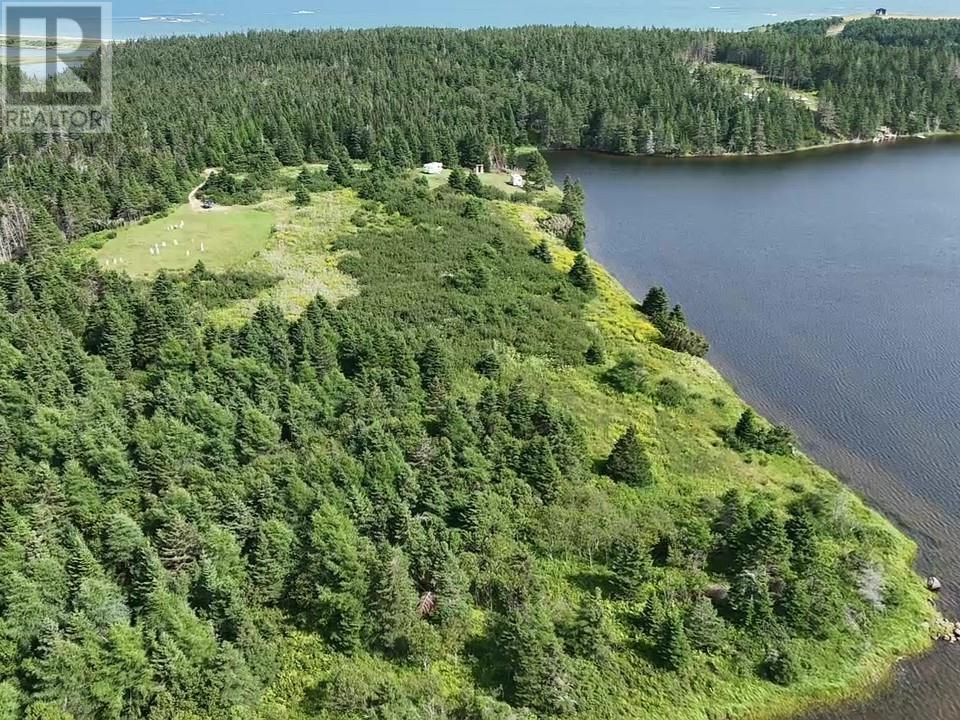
{"x":487,"y":663}
{"x":591,"y":579}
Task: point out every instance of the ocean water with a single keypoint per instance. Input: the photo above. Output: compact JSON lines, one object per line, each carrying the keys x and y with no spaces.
{"x":138,"y":18}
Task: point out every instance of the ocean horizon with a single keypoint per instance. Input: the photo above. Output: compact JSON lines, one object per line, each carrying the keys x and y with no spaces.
{"x":151,"y":18}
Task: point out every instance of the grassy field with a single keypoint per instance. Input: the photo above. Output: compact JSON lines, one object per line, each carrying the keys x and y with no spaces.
{"x":300,"y":253}
{"x":273,"y":237}
{"x":808,"y":97}
{"x":228,"y":239}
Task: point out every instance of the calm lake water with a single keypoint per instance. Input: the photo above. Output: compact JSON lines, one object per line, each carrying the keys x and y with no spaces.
{"x":829,"y":286}
{"x":135,"y":18}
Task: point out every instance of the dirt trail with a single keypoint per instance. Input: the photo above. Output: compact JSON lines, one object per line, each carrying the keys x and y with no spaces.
{"x":195,"y":204}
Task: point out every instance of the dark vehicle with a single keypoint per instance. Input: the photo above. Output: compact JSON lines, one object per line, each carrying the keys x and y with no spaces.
{"x":206,"y":204}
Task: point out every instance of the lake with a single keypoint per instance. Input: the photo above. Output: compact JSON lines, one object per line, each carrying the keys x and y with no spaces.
{"x":829,"y":286}
{"x":136,"y":18}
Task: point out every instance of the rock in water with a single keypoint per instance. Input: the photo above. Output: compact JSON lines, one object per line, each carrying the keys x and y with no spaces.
{"x":934,"y":584}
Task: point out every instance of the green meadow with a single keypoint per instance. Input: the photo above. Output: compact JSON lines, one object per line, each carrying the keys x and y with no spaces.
{"x":221,"y":239}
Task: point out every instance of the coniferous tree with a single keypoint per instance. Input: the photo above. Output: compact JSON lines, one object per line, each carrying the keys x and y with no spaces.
{"x":473,"y":184}
{"x":576,"y":236}
{"x":539,"y":468}
{"x":747,"y":431}
{"x":301,"y":196}
{"x":590,"y":632}
{"x":542,"y":252}
{"x":393,"y":603}
{"x":581,"y":275}
{"x":655,"y":303}
{"x":457,"y":179}
{"x":628,"y":461}
{"x":537,"y":666}
{"x":538,"y":172}
{"x":673,"y":648}
{"x":632,"y":567}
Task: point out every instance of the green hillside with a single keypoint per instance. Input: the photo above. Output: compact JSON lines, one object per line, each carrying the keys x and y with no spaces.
{"x":477,"y":485}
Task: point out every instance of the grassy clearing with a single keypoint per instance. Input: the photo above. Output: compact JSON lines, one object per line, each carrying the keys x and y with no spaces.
{"x":273,"y":237}
{"x":229,"y":239}
{"x":498,"y":180}
{"x":809,"y":99}
{"x":300,"y":253}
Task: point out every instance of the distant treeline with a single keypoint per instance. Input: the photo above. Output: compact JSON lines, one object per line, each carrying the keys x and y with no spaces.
{"x":815,"y":27}
{"x":250,"y":102}
{"x":913,"y":33}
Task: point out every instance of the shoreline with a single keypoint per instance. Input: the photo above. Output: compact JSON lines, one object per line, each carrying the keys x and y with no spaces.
{"x":874,"y":674}
{"x":869,"y":678}
{"x":902,"y":637}
{"x":840,"y":145}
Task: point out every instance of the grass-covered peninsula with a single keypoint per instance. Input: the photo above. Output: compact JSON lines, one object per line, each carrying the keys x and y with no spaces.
{"x":407,"y":455}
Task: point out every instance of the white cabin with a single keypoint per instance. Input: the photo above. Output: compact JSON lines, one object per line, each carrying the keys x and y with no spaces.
{"x":433,"y":168}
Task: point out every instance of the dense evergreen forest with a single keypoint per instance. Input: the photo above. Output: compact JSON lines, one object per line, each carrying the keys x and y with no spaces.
{"x":914,"y":33}
{"x":248,"y":101}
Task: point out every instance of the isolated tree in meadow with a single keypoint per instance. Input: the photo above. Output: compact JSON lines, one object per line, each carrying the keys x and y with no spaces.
{"x":542,"y":252}
{"x":655,"y":303}
{"x":582,"y":276}
{"x":538,"y":172}
{"x":591,"y":633}
{"x":301,"y":196}
{"x":747,"y":431}
{"x":673,"y":648}
{"x":628,"y":461}
{"x":577,"y":234}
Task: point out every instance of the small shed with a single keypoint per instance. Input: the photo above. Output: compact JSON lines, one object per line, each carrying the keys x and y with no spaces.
{"x":881,"y":12}
{"x":433,"y":168}
{"x":516,"y":179}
